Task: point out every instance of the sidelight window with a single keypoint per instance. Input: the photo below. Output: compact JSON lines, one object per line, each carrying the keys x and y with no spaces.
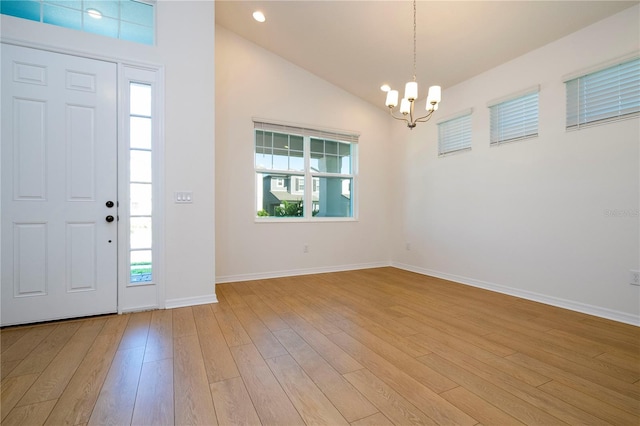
{"x":140,"y":183}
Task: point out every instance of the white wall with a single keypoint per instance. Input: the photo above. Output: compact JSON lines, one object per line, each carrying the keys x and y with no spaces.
{"x":185,"y":47}
{"x":252,"y":82}
{"x":529,"y":217}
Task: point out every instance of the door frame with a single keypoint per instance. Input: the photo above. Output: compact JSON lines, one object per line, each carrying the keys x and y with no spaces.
{"x":131,"y":298}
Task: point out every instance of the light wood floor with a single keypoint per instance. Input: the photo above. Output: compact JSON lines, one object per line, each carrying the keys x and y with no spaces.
{"x":371,"y":347}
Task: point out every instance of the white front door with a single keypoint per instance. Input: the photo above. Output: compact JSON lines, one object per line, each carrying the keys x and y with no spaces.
{"x":59,"y":177}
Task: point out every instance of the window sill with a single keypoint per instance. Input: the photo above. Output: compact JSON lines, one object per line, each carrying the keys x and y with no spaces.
{"x":304,"y":220}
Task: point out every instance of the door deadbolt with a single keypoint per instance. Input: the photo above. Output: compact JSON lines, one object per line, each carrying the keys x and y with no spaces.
{"x":109,"y":204}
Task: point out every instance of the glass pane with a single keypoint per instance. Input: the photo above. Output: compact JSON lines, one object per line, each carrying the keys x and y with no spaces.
{"x":137,"y":13}
{"x":345,"y":167}
{"x":140,"y":166}
{"x":328,"y":164}
{"x":296,"y":161}
{"x":137,"y":33}
{"x":140,"y":102}
{"x":103,"y":26}
{"x":22,"y":9}
{"x":277,"y":151}
{"x":280,"y":141}
{"x":140,"y":132}
{"x":281,"y":159}
{"x":140,"y":236}
{"x":334,"y":198}
{"x":330,"y":156}
{"x":264,"y":161}
{"x":140,"y":195}
{"x":279,"y":195}
{"x":62,"y":17}
{"x":331,"y":147}
{"x":141,"y":266}
{"x":296,"y":143}
{"x":317,"y":146}
{"x":71,"y":4}
{"x":262,"y":139}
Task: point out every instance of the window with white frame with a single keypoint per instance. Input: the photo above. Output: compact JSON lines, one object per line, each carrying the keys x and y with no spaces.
{"x":454,"y":133}
{"x":514,"y":117}
{"x":140,"y":183}
{"x":131,"y":20}
{"x":608,"y":94}
{"x":294,"y":155}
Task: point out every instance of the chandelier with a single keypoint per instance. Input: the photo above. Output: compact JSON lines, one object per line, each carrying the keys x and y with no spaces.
{"x":411,"y":93}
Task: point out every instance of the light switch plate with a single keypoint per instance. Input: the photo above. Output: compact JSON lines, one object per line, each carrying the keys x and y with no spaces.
{"x":183,"y":197}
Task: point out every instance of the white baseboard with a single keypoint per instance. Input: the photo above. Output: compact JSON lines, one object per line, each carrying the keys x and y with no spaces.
{"x":190,"y":301}
{"x":295,"y":272}
{"x":529,"y":295}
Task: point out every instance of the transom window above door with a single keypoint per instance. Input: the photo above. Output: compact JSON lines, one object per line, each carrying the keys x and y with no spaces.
{"x":131,"y":20}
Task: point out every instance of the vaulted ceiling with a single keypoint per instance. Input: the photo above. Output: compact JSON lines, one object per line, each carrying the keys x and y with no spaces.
{"x":359,"y":45}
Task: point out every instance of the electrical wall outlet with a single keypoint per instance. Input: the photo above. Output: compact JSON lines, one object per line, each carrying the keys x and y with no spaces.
{"x":305,"y":248}
{"x":407,"y":246}
{"x":634,"y":277}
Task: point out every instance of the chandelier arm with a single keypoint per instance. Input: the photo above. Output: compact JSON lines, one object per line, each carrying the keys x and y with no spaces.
{"x":425,"y":118}
{"x":397,"y":118}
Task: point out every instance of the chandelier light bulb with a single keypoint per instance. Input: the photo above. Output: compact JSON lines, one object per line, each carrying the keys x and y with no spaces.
{"x":405,"y":106}
{"x":392,"y":98}
{"x":411,"y":91}
{"x":435,"y":94}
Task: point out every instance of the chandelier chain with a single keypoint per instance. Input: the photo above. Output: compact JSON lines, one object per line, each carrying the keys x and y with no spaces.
{"x":414,"y":40}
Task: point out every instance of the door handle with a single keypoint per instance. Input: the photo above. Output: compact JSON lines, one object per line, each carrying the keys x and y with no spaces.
{"x":109,"y":204}
{"x":109,"y":218}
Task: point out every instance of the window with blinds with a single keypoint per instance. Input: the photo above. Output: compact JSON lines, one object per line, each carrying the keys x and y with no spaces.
{"x":605,"y":95}
{"x":514,"y":119}
{"x":454,"y":134}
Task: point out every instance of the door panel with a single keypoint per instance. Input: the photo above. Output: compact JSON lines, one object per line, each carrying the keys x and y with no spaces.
{"x":59,"y":168}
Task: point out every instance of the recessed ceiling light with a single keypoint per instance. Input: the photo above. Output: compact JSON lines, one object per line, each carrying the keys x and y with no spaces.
{"x":385,"y":88}
{"x":95,"y":14}
{"x":259,"y":16}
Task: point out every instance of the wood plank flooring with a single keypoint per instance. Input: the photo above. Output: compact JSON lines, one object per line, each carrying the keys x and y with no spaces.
{"x":370,"y":347}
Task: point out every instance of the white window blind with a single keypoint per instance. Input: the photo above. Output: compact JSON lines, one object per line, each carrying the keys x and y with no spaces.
{"x":454,"y":134}
{"x":610,"y":94}
{"x":285,"y":128}
{"x":514,"y":119}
